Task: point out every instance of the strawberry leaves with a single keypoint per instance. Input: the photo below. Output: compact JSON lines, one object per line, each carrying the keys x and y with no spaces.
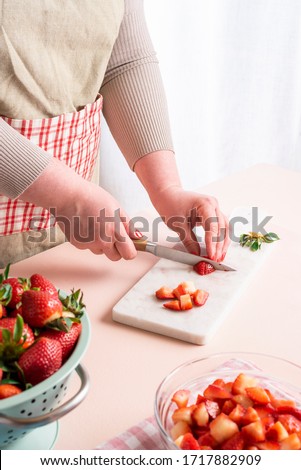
{"x":254,"y":240}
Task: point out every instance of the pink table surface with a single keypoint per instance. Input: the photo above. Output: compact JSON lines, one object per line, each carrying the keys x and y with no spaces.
{"x":126,"y":364}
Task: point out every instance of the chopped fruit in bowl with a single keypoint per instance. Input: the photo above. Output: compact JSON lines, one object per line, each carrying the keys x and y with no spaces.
{"x":231,"y":401}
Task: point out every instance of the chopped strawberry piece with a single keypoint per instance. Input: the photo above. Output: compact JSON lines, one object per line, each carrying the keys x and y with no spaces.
{"x":265,"y":410}
{"x":254,"y":432}
{"x":243,"y":400}
{"x":268,"y":445}
{"x":200,"y":415}
{"x":289,"y":410}
{"x":189,"y":442}
{"x":185,"y":302}
{"x":228,"y":406}
{"x":250,"y":416}
{"x":242,"y":382}
{"x":200,"y":297}
{"x":186,"y":287}
{"x":235,"y":442}
{"x":237,"y":414}
{"x":179,"y":429}
{"x":8,"y":390}
{"x":258,"y":395}
{"x":292,"y":442}
{"x":207,"y":440}
{"x":277,"y":432}
{"x":223,"y":428}
{"x":203,"y":268}
{"x":219,"y":383}
{"x":206,"y":448}
{"x":164,"y":293}
{"x":290,"y":423}
{"x":200,"y":399}
{"x":177,"y":292}
{"x":173,"y":305}
{"x":214,"y":392}
{"x":212,"y":408}
{"x":180,"y":398}
{"x":183,"y":414}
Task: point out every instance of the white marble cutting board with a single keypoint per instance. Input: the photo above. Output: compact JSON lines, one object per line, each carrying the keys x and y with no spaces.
{"x":140,"y":308}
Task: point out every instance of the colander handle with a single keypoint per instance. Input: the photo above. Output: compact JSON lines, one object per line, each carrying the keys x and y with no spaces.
{"x":58,"y":412}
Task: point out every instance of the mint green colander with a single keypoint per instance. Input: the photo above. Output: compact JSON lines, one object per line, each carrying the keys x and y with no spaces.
{"x":44,"y":403}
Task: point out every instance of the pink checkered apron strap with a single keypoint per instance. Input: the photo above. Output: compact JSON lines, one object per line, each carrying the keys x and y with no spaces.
{"x":73,"y":138}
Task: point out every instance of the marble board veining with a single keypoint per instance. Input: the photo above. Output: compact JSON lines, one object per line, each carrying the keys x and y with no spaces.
{"x":140,"y":308}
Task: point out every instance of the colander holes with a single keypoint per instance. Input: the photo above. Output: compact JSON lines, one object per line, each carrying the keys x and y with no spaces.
{"x":44,"y":409}
{"x":29,"y":414}
{"x":51,"y":409}
{"x":44,"y":393}
{"x":33,"y":400}
{"x":5,"y":442}
{"x":54,"y":387}
{"x":59,"y":402}
{"x":62,"y":386}
{"x":15,"y":439}
{"x":10,"y":437}
{"x":56,"y":396}
{"x":22,"y":412}
{"x":10,"y":431}
{"x":45,"y":399}
{"x":65,"y":388}
{"x":23,"y":433}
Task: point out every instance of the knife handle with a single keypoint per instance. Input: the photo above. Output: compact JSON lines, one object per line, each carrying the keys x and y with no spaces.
{"x":140,"y":245}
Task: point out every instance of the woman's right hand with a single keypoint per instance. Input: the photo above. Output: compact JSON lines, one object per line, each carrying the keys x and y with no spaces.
{"x":88,"y":215}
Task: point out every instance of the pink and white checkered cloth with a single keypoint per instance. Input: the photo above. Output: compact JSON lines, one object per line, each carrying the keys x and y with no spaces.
{"x":146,"y":435}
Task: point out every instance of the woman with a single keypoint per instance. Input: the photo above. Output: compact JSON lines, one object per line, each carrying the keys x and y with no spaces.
{"x":60,"y":62}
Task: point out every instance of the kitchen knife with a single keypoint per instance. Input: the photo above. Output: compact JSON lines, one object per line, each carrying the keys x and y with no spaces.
{"x":176,"y":255}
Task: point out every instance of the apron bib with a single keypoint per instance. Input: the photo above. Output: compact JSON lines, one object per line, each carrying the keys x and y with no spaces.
{"x":72,"y":138}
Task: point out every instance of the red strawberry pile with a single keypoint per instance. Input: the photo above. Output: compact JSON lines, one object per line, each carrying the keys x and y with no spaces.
{"x":39,"y":329}
{"x":238,"y":415}
{"x":183,"y":297}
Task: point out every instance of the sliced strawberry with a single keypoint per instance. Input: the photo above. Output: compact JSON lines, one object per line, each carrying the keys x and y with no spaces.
{"x":200,"y":415}
{"x":189,"y":442}
{"x":179,"y":429}
{"x":164,"y":293}
{"x":265,"y":410}
{"x":203,"y":268}
{"x":243,"y":400}
{"x":219,"y":383}
{"x":277,"y":432}
{"x":291,"y":410}
{"x":213,"y":392}
{"x":177,"y":292}
{"x":242,"y":382}
{"x":173,"y":305}
{"x":235,"y":442}
{"x":223,"y":428}
{"x":180,"y":398}
{"x":258,"y":395}
{"x":185,"y":302}
{"x":8,"y":390}
{"x":200,"y":399}
{"x":254,"y":432}
{"x":200,"y":297}
{"x":41,"y":360}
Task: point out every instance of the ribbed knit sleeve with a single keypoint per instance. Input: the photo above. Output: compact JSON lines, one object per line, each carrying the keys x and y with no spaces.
{"x":135,"y":105}
{"x":21,"y":162}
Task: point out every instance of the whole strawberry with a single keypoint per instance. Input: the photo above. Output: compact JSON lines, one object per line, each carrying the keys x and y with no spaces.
{"x":40,"y":282}
{"x":18,"y":286}
{"x":67,"y":340}
{"x":41,"y":360}
{"x":8,"y":390}
{"x":40,"y":308}
{"x":203,"y":268}
{"x":17,"y":332}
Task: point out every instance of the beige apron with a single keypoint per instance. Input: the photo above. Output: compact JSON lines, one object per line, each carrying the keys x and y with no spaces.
{"x":54,"y":55}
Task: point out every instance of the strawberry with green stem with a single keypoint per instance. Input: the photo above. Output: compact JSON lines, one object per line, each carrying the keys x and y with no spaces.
{"x":254,"y":240}
{"x":15,"y":337}
{"x":17,"y":286}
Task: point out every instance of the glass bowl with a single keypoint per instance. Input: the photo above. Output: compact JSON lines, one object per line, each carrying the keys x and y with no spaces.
{"x":282,"y":377}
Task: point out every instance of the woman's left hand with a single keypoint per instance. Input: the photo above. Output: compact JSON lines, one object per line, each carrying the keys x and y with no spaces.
{"x":183,"y":210}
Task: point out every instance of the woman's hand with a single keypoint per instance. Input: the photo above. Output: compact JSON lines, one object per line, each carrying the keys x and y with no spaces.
{"x":88,"y":215}
{"x":183,"y":210}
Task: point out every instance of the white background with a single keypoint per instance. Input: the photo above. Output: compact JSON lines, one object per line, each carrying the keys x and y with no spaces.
{"x":232,"y":73}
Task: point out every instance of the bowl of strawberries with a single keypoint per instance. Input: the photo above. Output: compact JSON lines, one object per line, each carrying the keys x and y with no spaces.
{"x":231,"y":401}
{"x":44,"y":334}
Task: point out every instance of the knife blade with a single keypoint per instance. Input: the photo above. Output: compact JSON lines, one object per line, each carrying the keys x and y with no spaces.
{"x":176,"y":255}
